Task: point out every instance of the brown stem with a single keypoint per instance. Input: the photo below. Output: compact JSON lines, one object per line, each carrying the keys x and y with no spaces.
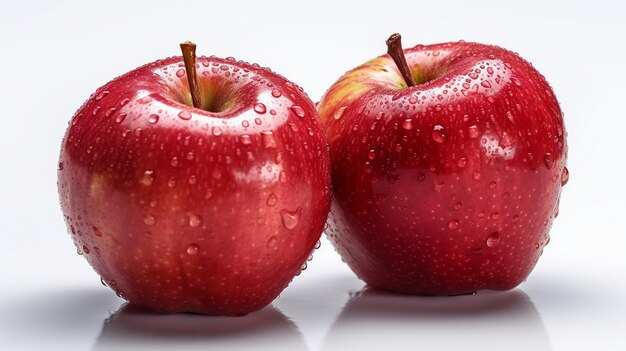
{"x":394,"y":49}
{"x":189,"y":56}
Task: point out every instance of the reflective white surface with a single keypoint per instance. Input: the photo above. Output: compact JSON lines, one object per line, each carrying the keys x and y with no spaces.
{"x":54,"y":55}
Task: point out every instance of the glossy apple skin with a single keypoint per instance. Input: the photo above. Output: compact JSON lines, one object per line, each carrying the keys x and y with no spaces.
{"x":183,"y":210}
{"x":450,"y":186}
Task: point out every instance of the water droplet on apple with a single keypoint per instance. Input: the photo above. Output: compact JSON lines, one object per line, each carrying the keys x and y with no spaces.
{"x":184,"y":115}
{"x":194,"y":220}
{"x":260,"y":108}
{"x":290,"y":218}
{"x":245,"y":123}
{"x":96,"y":231}
{"x":60,"y":166}
{"x":153,"y":119}
{"x":371,"y":154}
{"x":192,"y":179}
{"x":476,"y":176}
{"x":454,"y":224}
{"x":180,"y":73}
{"x":495,"y":215}
{"x":339,"y":112}
{"x":149,"y":219}
{"x":412,"y":100}
{"x":439,"y":186}
{"x":276,"y":93}
{"x":549,"y":161}
{"x":493,"y":239}
{"x":101,"y":95}
{"x":299,"y":111}
{"x":485,"y":84}
{"x":120,"y":118}
{"x":473,"y":75}
{"x":192,"y":249}
{"x":458,"y":205}
{"x":217,"y":131}
{"x":462,"y":162}
{"x":268,"y":140}
{"x":493,"y":185}
{"x":439,"y":134}
{"x":318,"y":244}
{"x":86,"y":250}
{"x":282,"y":177}
{"x":148,"y":178}
{"x":489,"y":70}
{"x":516,"y":81}
{"x":103,"y":282}
{"x":564,"y":176}
{"x":272,"y":199}
{"x":474,"y":132}
{"x":271,"y":242}
{"x":407,"y":124}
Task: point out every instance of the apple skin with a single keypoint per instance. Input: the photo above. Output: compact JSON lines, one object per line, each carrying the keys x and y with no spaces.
{"x":179,"y":209}
{"x":449,"y":186}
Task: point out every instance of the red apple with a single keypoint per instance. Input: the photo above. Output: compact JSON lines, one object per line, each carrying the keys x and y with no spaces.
{"x":450,"y":185}
{"x":210,"y":209}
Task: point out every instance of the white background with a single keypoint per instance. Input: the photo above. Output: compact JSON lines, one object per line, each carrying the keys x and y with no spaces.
{"x":52,"y":56}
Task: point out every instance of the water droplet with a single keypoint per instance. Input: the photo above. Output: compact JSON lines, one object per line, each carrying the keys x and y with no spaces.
{"x":473,"y":132}
{"x":439,"y":186}
{"x":290,"y":218}
{"x":318,"y":244}
{"x":258,"y":121}
{"x":192,"y":179}
{"x":489,"y":70}
{"x":192,"y":249}
{"x":516,"y":81}
{"x":120,"y":118}
{"x":454,"y":224}
{"x":548,"y":160}
{"x":271,"y":242}
{"x":148,"y":178}
{"x":260,"y":108}
{"x":412,"y":100}
{"x":407,"y":124}
{"x":171,"y":183}
{"x":184,"y":115}
{"x":245,"y":139}
{"x":153,"y":119}
{"x":282,"y":177}
{"x":493,"y":239}
{"x":476,"y":176}
{"x":485,"y":84}
{"x":495,"y":215}
{"x":194,"y":220}
{"x":96,"y":231}
{"x":101,"y":95}
{"x":564,"y":176}
{"x":217,"y":131}
{"x":493,"y":185}
{"x":272,"y":199}
{"x":180,"y":73}
{"x":457,"y":206}
{"x":439,"y":134}
{"x":515,"y":219}
{"x":371,"y":154}
{"x":60,"y":166}
{"x":245,"y":124}
{"x":86,"y":249}
{"x":339,"y":112}
{"x":103,"y":282}
{"x":267,"y":137}
{"x":462,"y":162}
{"x":299,"y":111}
{"x":276,"y":93}
{"x":149,"y":219}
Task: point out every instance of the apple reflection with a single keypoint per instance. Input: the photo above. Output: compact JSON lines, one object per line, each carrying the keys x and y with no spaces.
{"x":134,"y":328}
{"x":377,"y":320}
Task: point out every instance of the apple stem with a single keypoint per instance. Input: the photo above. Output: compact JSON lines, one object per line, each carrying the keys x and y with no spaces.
{"x":189,"y":56}
{"x":394,"y":49}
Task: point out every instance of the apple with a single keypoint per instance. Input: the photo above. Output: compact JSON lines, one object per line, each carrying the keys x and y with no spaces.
{"x":447,"y":167}
{"x":196,"y":186}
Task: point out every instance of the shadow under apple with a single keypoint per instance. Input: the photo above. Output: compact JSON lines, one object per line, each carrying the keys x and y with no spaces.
{"x":489,"y":320}
{"x":135,"y":328}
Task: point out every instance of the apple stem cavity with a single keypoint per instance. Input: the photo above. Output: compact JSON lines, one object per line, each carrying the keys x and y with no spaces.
{"x":394,"y":49}
{"x":189,"y":56}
